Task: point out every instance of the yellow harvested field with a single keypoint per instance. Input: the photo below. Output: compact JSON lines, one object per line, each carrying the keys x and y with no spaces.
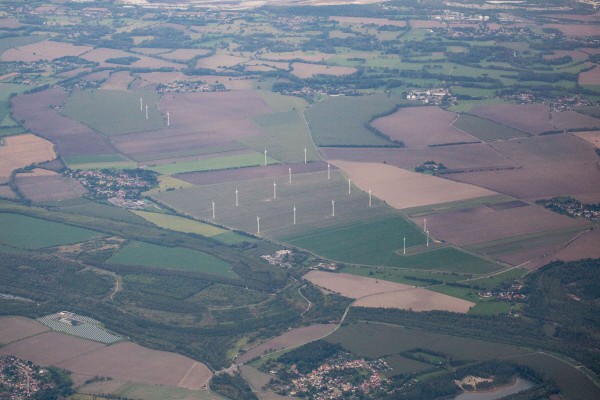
{"x":22,"y":150}
{"x":592,"y":137}
{"x":46,"y":50}
{"x":118,"y":81}
{"x":304,"y":70}
{"x":404,"y":189}
{"x":370,"y":292}
{"x":184,"y":54}
{"x":365,"y":20}
{"x":180,"y":224}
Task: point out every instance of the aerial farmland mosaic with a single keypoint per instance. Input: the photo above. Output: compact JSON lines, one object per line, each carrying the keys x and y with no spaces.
{"x":234,"y":199}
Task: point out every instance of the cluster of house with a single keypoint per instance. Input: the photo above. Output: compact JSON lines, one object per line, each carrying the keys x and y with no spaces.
{"x":566,"y":103}
{"x":428,"y":96}
{"x":190,"y":86}
{"x":107,"y":184}
{"x":293,"y":23}
{"x":19,"y":379}
{"x":573,"y":208}
{"x":512,"y":294}
{"x":280,"y":258}
{"x":339,"y":376}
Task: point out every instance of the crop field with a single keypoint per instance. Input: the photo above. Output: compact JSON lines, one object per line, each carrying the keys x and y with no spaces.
{"x":472,"y":156}
{"x":421,"y":127}
{"x":592,"y":137}
{"x":246,"y":159}
{"x":574,"y":120}
{"x":374,"y":340}
{"x":114,"y":112}
{"x":485,"y":129}
{"x":53,"y":187}
{"x":575,"y":29}
{"x":304,"y":70}
{"x":18,"y":41}
{"x":131,"y":390}
{"x":16,"y":328}
{"x":530,"y":118}
{"x":118,"y":81}
{"x":404,"y":189}
{"x":340,"y":121}
{"x":177,"y":258}
{"x":33,"y":233}
{"x":484,"y":224}
{"x":408,"y":277}
{"x":591,"y":77}
{"x":70,"y":137}
{"x":371,"y":292}
{"x":22,"y":150}
{"x":100,"y":55}
{"x":46,"y":50}
{"x":294,"y":337}
{"x":220,"y":61}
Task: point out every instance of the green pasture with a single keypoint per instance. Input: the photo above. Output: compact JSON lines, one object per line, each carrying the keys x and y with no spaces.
{"x":280,"y":103}
{"x":403,"y":365}
{"x":484,"y":129}
{"x":84,"y":206}
{"x":32,"y":233}
{"x":191,"y":152}
{"x":494,"y":281}
{"x":286,"y":137}
{"x":399,"y":275}
{"x":214,"y":163}
{"x":482,"y":306}
{"x":176,"y":258}
{"x":114,"y":112}
{"x":133,"y":390}
{"x":341,"y":120}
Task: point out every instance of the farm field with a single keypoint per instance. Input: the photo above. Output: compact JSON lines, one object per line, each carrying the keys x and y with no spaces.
{"x":404,"y":189}
{"x":340,"y":121}
{"x":304,"y":70}
{"x":571,"y":120}
{"x":19,"y":41}
{"x":32,"y":233}
{"x":177,"y":258}
{"x":592,"y":137}
{"x":50,"y":187}
{"x":485,"y":129}
{"x":118,"y":81}
{"x":591,"y":77}
{"x":371,"y":292}
{"x":103,"y":55}
{"x":22,"y":150}
{"x":143,"y":391}
{"x":292,"y":338}
{"x":530,"y":118}
{"x":46,"y":50}
{"x":419,"y":127}
{"x":243,"y":160}
{"x":17,"y":328}
{"x":114,"y":112}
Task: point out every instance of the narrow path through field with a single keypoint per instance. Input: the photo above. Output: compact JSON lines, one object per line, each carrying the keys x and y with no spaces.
{"x":304,"y":297}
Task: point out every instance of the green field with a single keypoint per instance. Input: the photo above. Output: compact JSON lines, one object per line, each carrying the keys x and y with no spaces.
{"x":16,"y":41}
{"x":409,"y":277}
{"x":144,"y":391}
{"x":286,"y":137}
{"x":484,"y":129}
{"x":341,"y":120}
{"x":210,"y":164}
{"x":31,"y":233}
{"x":177,"y":258}
{"x":456,"y":205}
{"x":114,"y":112}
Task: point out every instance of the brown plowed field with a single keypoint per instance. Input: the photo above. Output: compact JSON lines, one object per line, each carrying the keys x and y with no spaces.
{"x":461,"y":157}
{"x":49,"y":187}
{"x":240,"y":174}
{"x":46,"y":50}
{"x":220,"y":61}
{"x":592,"y":137}
{"x":575,"y":29}
{"x":118,"y":81}
{"x":585,"y":246}
{"x":371,"y":292}
{"x":15,"y":328}
{"x":575,"y":54}
{"x":291,"y":338}
{"x":574,"y":120}
{"x":404,"y":189}
{"x":591,"y":77}
{"x":422,"y":127}
{"x":305,"y":70}
{"x":530,"y":118}
{"x":41,"y":116}
{"x":22,"y":150}
{"x":184,"y":54}
{"x":483,"y":224}
{"x":152,"y":78}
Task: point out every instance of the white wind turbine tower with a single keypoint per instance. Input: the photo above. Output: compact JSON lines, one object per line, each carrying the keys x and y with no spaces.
{"x":328,"y":171}
{"x":404,"y":247}
{"x":168,"y":119}
{"x":333,"y":208}
{"x":141,"y":105}
{"x":290,"y":175}
{"x":369,"y":197}
{"x":274,"y":190}
{"x":424,"y":224}
{"x":257,"y":224}
{"x":349,"y":185}
{"x":294,"y":215}
{"x":427,"y":234}
{"x":236,"y":197}
{"x":305,"y":155}
{"x":265,"y":156}
{"x":146,"y":111}
{"x":213,"y":210}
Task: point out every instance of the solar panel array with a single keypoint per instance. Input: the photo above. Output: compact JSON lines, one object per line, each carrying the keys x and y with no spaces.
{"x":86,"y":328}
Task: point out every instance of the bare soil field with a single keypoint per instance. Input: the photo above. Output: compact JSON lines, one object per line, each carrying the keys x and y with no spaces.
{"x":311,"y":57}
{"x":548,"y":150}
{"x":591,"y":77}
{"x":472,"y":156}
{"x":420,"y":23}
{"x":41,"y":115}
{"x":530,"y":118}
{"x":118,"y":81}
{"x":531,"y":183}
{"x":585,"y":246}
{"x":304,"y":70}
{"x":100,"y":55}
{"x":10,"y":23}
{"x":184,"y":54}
{"x":49,"y":187}
{"x":368,"y":21}
{"x":46,"y":50}
{"x":421,"y":127}
{"x":122,"y":361}
{"x":371,"y":292}
{"x":575,"y":54}
{"x":220,"y":61}
{"x":230,"y":82}
{"x":273,"y":64}
{"x":22,"y":150}
{"x":15,"y":328}
{"x":484,"y":224}
{"x":404,"y":189}
{"x":592,"y":137}
{"x":242,"y":174}
{"x":574,"y":120}
{"x":97,"y":76}
{"x":7,"y":193}
{"x":291,"y":338}
{"x":575,"y":29}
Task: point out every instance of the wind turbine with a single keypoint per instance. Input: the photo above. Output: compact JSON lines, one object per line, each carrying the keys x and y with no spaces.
{"x":305,"y":155}
{"x":146,"y":111}
{"x":265,"y":156}
{"x":257,"y":224}
{"x":213,"y":209}
{"x":333,"y":208}
{"x":349,"y":185}
{"x":328,"y":171}
{"x":294,"y":215}
{"x":236,"y":197}
{"x":290,"y":175}
{"x":274,"y":190}
{"x":369,"y":197}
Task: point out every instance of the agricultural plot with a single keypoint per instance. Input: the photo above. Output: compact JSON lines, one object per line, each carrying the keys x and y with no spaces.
{"x":242,"y":160}
{"x":220,"y":62}
{"x":419,"y":127}
{"x":114,"y":112}
{"x":485,"y":129}
{"x":20,"y":151}
{"x":177,"y":258}
{"x":530,"y":118}
{"x":591,"y":77}
{"x":17,"y":328}
{"x":46,"y":50}
{"x":592,"y":137}
{"x":71,"y":138}
{"x":118,"y":81}
{"x":571,"y":120}
{"x":367,"y":21}
{"x":340,"y":121}
{"x":133,"y":390}
{"x":7,"y":192}
{"x":19,"y":41}
{"x":32,"y":233}
{"x":304,"y":70}
{"x":101,"y":55}
{"x":465,"y":157}
{"x":49,"y":187}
